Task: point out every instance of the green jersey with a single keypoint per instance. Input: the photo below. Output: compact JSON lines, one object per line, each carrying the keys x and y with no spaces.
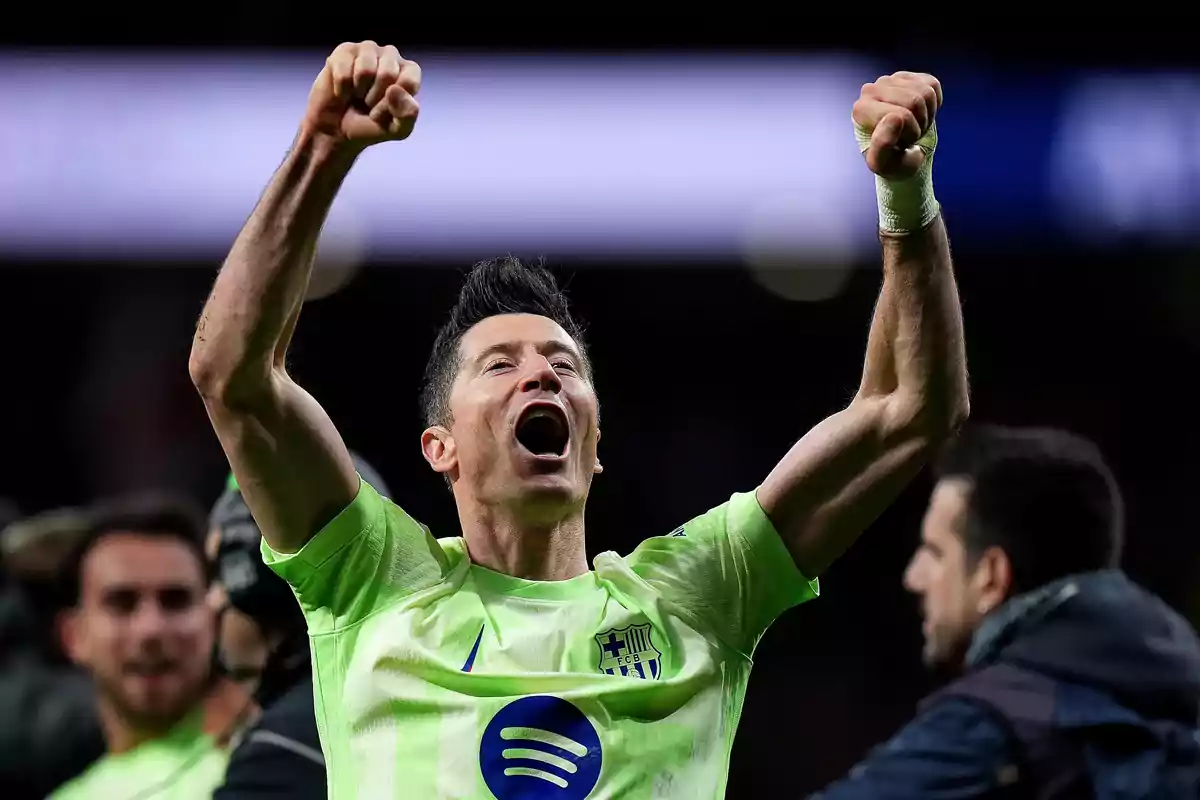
{"x":438,"y":678}
{"x":186,"y":764}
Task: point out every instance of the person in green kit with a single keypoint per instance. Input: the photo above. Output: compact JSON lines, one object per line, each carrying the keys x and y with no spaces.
{"x":141,"y":626}
{"x":495,"y":665}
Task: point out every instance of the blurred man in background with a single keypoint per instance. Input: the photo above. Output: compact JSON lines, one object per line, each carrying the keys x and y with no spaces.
{"x":263,"y":641}
{"x":140,"y":624}
{"x":48,"y":727}
{"x":1077,"y":681}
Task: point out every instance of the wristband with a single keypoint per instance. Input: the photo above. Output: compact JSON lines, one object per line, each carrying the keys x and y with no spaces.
{"x":906,"y":204}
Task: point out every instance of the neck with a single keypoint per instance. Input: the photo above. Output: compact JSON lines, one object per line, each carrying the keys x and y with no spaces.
{"x":222,"y":705}
{"x":124,"y":732}
{"x":549,"y":551}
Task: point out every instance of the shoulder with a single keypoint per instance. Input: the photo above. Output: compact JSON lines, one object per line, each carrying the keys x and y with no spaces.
{"x":739,"y":511}
{"x":955,"y":748}
{"x":79,"y":785}
{"x":965,"y":719}
{"x":952,"y":735}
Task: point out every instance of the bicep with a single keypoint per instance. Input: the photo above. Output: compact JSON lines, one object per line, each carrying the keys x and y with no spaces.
{"x":291,"y":465}
{"x":841,"y":476}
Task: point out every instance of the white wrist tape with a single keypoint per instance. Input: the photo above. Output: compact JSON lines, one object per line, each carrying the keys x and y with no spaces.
{"x":905,"y":204}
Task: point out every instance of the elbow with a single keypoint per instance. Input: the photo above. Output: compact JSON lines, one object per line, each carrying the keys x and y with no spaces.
{"x":224,"y":382}
{"x":931,"y":421}
{"x":208,"y":372}
{"x":203,"y":370}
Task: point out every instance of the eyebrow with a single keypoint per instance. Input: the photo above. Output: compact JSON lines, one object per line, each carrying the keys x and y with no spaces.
{"x":138,"y":588}
{"x":548,"y":346}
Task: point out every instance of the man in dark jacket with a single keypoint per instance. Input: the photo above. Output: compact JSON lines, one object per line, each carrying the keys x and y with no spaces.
{"x":264,"y":643}
{"x":1074,"y":682}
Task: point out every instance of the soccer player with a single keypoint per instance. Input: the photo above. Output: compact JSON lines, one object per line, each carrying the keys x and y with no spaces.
{"x":495,"y":664}
{"x":140,"y":625}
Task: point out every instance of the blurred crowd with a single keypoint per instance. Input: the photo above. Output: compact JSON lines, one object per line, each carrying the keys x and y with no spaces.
{"x":143,"y":628}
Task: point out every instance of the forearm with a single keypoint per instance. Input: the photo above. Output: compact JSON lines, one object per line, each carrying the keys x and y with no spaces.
{"x":915,"y":349}
{"x":839,"y":478}
{"x":290,"y":462}
{"x":242,"y":334}
{"x":844,"y":472}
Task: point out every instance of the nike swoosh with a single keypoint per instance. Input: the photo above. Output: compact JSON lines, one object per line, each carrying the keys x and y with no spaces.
{"x":471,"y":658}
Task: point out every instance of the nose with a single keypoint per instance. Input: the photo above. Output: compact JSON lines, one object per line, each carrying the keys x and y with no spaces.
{"x":912,"y":580}
{"x":150,"y":621}
{"x":541,"y":377}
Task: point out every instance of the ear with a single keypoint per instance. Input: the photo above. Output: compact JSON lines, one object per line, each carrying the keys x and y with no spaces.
{"x":212,"y":543}
{"x":439,"y":449}
{"x":599,"y":467}
{"x":992,"y":579}
{"x":69,"y":628}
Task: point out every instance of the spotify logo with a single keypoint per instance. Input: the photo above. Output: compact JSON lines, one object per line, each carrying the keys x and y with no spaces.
{"x":540,"y":748}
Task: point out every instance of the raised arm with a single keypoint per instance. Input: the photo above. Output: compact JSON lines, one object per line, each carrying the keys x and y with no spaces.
{"x":841,"y":476}
{"x":293,"y":469}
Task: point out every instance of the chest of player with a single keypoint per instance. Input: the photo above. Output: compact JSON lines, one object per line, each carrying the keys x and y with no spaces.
{"x":594,"y":637}
{"x":462,"y":638}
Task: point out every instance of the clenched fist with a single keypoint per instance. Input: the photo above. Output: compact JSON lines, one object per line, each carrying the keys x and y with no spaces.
{"x":893,"y":119}
{"x":365,"y":94}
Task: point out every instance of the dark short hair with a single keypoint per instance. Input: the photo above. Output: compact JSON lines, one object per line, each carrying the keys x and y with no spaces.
{"x":152,"y":515}
{"x":500,"y":286}
{"x":1044,"y":496}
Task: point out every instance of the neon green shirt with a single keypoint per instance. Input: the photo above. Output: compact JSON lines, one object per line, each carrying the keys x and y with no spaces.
{"x":186,"y":764}
{"x":437,"y":678}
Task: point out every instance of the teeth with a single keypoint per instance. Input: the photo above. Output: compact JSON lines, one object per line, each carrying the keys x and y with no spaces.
{"x":544,"y":413}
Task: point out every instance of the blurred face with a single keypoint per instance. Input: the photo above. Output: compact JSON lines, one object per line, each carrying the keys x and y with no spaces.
{"x":241,"y":644}
{"x":142,"y":627}
{"x":524,"y":428}
{"x":954,"y":598}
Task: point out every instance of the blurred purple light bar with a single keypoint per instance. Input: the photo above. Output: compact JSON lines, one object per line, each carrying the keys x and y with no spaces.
{"x":151,"y":157}
{"x":1127,"y":158}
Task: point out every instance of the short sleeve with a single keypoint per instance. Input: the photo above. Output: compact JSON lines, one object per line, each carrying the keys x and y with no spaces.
{"x":368,"y":557}
{"x":727,"y":569}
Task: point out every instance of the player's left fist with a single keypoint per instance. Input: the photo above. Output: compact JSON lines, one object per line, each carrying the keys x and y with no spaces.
{"x":894,"y":122}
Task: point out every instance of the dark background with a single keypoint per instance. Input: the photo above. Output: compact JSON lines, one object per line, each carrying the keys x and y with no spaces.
{"x":705,"y":374}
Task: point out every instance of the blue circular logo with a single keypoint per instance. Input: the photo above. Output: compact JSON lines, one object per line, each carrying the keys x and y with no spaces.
{"x":540,"y":748}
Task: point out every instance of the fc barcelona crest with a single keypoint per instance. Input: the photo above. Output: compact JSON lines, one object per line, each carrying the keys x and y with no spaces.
{"x":630,"y":651}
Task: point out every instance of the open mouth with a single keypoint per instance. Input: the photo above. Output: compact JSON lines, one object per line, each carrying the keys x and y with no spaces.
{"x":543,"y":430}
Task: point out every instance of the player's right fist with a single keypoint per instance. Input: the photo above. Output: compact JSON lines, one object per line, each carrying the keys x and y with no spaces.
{"x":365,"y":94}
